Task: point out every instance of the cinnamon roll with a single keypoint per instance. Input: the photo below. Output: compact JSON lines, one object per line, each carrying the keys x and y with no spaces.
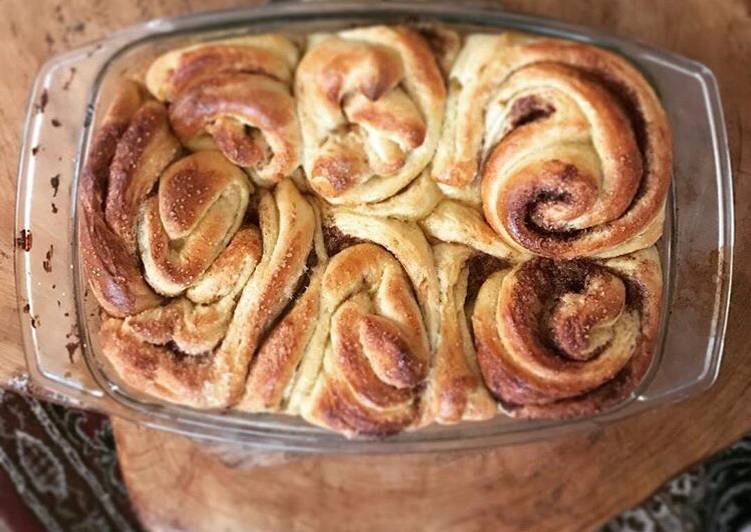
{"x":200,"y":204}
{"x":168,"y":352}
{"x":197,"y":349}
{"x":375,"y":346}
{"x":234,"y":95}
{"x":565,"y":145}
{"x":130,"y":150}
{"x":566,"y":338}
{"x":439,"y":274}
{"x":371,"y":103}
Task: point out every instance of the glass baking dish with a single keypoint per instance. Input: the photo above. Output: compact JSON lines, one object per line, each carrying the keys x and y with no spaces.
{"x":59,"y":321}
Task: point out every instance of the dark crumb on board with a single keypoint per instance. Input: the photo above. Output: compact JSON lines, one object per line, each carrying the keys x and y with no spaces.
{"x":66,"y":314}
{"x":35,"y":322}
{"x":47,"y":263}
{"x":23,"y":240}
{"x":55,"y":183}
{"x":54,"y":208}
{"x":26,"y":308}
{"x":35,"y":150}
{"x":55,"y":122}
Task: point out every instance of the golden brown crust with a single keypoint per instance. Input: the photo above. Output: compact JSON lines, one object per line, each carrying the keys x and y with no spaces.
{"x":370,"y":102}
{"x":169,"y":352}
{"x":198,"y":352}
{"x":235,"y":95}
{"x":179,"y":70}
{"x":543,"y":355}
{"x":377,"y":352}
{"x":575,"y":157}
{"x":144,"y":150}
{"x":416,"y":286}
{"x":200,"y":204}
{"x":129,"y":151}
{"x":280,"y":355}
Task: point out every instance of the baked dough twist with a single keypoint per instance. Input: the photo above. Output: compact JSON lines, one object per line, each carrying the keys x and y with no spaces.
{"x":287,"y":360}
{"x":566,"y":338}
{"x":199,"y":206}
{"x":565,"y":145}
{"x":131,"y":148}
{"x":371,"y":104}
{"x":438,"y":275}
{"x":197,"y":351}
{"x":456,"y":390}
{"x":376,"y":350}
{"x":234,"y":95}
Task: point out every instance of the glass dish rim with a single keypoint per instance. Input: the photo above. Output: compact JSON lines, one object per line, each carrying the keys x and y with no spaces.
{"x":160,"y":417}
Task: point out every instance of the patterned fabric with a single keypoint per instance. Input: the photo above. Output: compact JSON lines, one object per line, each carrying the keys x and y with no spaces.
{"x":63,"y":467}
{"x":674,"y":508}
{"x":715,"y":496}
{"x":58,"y":472}
{"x":727,"y":489}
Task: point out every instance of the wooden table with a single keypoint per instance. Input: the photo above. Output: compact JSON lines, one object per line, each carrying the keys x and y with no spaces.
{"x":575,"y":482}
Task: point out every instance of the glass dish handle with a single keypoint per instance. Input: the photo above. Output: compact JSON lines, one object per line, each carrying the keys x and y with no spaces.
{"x":58,"y":116}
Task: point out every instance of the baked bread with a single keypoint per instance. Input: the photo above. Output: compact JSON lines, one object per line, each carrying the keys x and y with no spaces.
{"x":380,"y":228}
{"x":564,"y":146}
{"x":234,"y":95}
{"x":563,"y":338}
{"x":371,"y":103}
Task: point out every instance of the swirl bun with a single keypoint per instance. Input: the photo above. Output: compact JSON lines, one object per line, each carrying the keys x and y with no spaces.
{"x":562,"y":338}
{"x":576,"y":148}
{"x":234,"y":95}
{"x":130,"y":150}
{"x":197,"y":349}
{"x":370,"y":102}
{"x":377,"y":354}
{"x":201,"y":202}
{"x":169,"y":351}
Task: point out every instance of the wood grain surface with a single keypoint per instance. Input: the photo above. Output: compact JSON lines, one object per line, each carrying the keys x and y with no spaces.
{"x":570,"y":483}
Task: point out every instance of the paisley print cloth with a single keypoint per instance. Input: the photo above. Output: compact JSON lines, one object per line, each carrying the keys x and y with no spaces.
{"x":58,"y":472}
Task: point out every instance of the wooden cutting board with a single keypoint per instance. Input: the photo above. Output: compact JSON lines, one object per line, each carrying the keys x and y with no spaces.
{"x":571,"y":483}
